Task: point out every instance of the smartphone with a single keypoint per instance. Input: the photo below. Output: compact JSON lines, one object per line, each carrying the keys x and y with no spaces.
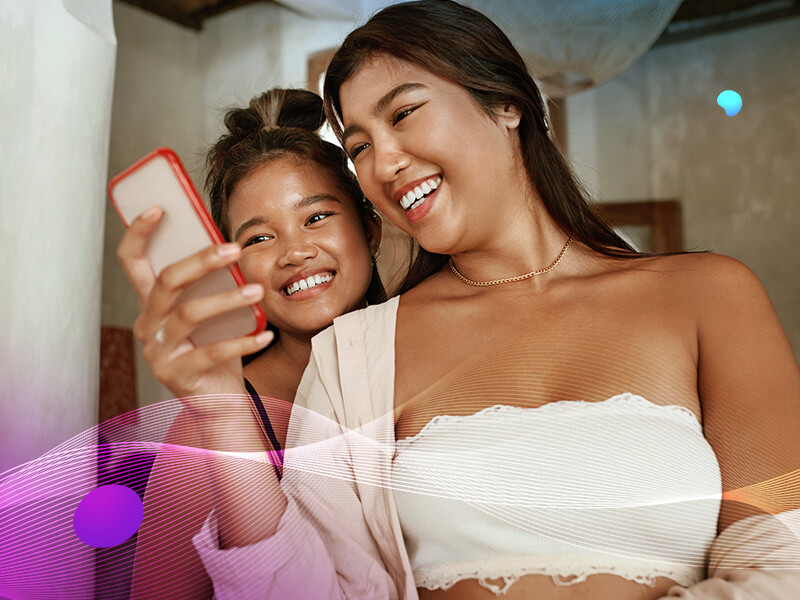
{"x":159,"y":179}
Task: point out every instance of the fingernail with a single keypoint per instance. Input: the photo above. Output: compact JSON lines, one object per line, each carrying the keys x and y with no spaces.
{"x":252,"y":290}
{"x":227,"y":250}
{"x":151,"y":213}
{"x":265,"y":337}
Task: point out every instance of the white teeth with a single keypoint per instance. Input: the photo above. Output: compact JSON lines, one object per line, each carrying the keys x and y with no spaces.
{"x":307,"y":283}
{"x":414,"y":198}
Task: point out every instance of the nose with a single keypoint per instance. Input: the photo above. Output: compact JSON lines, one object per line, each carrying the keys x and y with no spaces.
{"x":389,"y":158}
{"x":296,"y":251}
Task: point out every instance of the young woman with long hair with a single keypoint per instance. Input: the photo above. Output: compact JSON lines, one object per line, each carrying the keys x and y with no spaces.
{"x":542,"y":412}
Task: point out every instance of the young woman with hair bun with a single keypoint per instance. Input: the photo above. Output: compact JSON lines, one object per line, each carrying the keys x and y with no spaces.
{"x":292,"y":212}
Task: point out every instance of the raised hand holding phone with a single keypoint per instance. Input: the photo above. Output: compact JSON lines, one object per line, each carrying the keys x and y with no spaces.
{"x":198,"y":314}
{"x":159,"y":179}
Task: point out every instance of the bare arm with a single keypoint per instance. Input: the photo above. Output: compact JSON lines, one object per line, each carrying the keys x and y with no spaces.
{"x":749,"y":385}
{"x":322,"y":546}
{"x":176,"y":503}
{"x":310,"y":542}
{"x":208,"y":379}
{"x":248,"y":499}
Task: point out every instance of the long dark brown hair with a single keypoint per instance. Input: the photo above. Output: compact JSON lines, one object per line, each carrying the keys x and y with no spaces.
{"x":462,"y":45}
{"x":278,"y":123}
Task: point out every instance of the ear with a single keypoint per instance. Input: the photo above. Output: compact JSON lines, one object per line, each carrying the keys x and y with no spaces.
{"x":374,"y":230}
{"x":509,"y":116}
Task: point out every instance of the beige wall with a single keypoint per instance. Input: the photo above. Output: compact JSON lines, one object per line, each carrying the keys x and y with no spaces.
{"x":656,"y":132}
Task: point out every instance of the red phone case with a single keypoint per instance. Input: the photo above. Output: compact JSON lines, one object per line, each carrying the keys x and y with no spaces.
{"x":160,"y":179}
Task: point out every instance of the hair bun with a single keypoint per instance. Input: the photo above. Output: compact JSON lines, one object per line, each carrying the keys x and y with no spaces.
{"x":303,"y":109}
{"x":275,"y":109}
{"x":289,"y":108}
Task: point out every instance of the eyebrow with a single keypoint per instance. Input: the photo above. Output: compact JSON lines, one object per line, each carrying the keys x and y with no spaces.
{"x":381,"y":105}
{"x":302,"y":203}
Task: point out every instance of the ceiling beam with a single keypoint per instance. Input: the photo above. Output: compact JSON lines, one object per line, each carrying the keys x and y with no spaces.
{"x":221,"y":6}
{"x":683,"y":30}
{"x":325,"y":9}
{"x":694,"y":18}
{"x":169,"y":11}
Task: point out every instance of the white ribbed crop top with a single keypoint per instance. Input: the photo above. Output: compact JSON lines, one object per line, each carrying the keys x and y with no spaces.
{"x":568,"y":489}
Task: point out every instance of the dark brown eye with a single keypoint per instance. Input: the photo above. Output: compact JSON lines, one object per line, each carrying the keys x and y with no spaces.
{"x":402,"y":114}
{"x":256,"y":239}
{"x":317,"y":217}
{"x":356,"y":150}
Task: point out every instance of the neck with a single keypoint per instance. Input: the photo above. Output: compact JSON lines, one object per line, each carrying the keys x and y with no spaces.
{"x":281,"y":367}
{"x":294,"y":349}
{"x":523,"y":238}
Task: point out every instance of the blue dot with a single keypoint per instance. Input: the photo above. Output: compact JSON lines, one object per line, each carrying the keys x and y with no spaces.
{"x":108,"y":516}
{"x":731,"y":102}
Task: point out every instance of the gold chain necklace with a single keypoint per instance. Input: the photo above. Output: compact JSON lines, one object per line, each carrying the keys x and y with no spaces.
{"x":552,"y":266}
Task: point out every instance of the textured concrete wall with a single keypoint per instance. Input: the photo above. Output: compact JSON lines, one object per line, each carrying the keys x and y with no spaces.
{"x":656,"y":132}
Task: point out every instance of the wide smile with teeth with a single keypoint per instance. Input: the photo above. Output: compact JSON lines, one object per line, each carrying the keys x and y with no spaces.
{"x":417,"y":196}
{"x":308,"y":283}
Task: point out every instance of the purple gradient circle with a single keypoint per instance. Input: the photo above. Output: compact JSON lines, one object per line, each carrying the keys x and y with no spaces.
{"x":108,"y":516}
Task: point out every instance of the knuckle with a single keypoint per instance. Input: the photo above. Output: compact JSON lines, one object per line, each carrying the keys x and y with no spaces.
{"x":138,"y":330}
{"x":186,"y":313}
{"x":124,"y":256}
{"x":161,"y":372}
{"x":167,"y":277}
{"x":214,"y":353}
{"x":211,"y":254}
{"x":128,"y":240}
{"x":149,"y":355}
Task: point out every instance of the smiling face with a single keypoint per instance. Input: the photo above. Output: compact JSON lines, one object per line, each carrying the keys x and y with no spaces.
{"x":429,"y":157}
{"x":303,"y":240}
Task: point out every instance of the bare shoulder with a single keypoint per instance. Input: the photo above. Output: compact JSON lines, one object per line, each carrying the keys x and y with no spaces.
{"x":700,"y":266}
{"x":707,"y":277}
{"x":742,"y":343}
{"x":716,"y":280}
{"x":713,"y":269}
